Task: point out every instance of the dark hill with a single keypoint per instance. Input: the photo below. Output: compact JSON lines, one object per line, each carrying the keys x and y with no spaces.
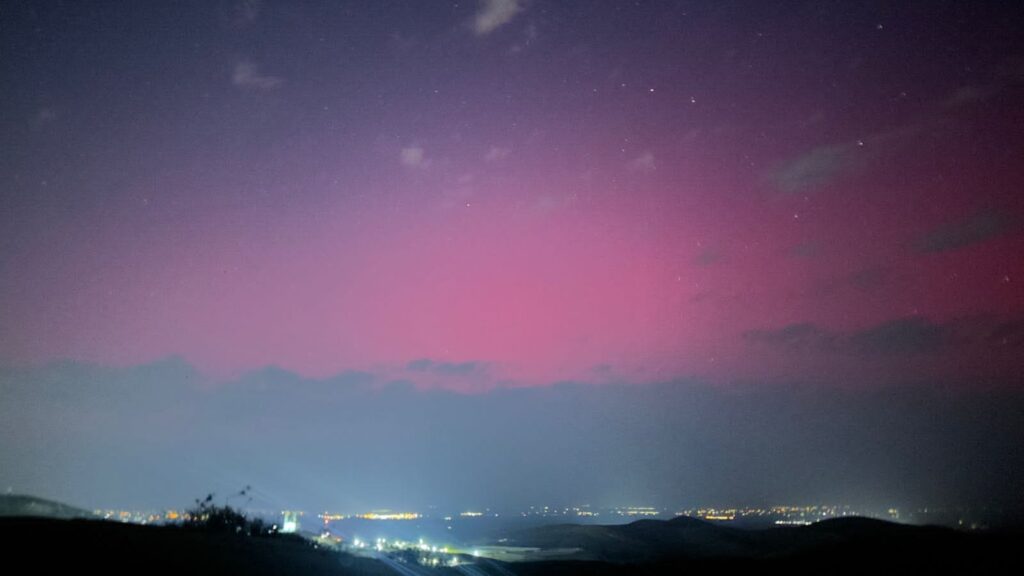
{"x":18,"y":505}
{"x":640,"y":541}
{"x":48,"y":546}
{"x":849,"y":541}
{"x":646,"y":547}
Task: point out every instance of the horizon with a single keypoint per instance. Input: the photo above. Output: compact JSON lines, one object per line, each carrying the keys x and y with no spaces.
{"x":350,"y":441}
{"x":473,"y":523}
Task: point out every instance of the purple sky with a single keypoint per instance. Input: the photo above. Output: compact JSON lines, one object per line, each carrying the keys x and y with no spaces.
{"x":478,"y":195}
{"x":552,"y":190}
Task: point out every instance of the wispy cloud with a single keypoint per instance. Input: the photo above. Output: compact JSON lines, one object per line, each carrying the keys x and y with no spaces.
{"x":529,"y":37}
{"x":800,"y":336}
{"x":898,"y":337}
{"x":813,"y":168}
{"x":824,"y":164}
{"x":247,"y":11}
{"x":962,"y":233}
{"x":493,"y":14}
{"x":708,"y":256}
{"x":1007,"y":74}
{"x":46,"y":115}
{"x":447,"y":368}
{"x":871,"y":279}
{"x":43,"y":117}
{"x":804,"y":250}
{"x":966,"y":95}
{"x":643,"y":163}
{"x":496,"y":153}
{"x":414,"y":157}
{"x":247,"y":75}
{"x":914,"y":335}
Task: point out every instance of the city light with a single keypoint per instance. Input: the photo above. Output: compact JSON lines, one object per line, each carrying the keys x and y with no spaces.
{"x":389,"y":516}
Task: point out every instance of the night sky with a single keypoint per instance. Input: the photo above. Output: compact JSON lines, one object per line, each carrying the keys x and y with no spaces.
{"x":729,"y":251}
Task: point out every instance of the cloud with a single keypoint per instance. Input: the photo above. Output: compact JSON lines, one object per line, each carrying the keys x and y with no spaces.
{"x":643,"y":163}
{"x":153,"y":437}
{"x":962,"y":233}
{"x":905,"y":335}
{"x":529,"y":37}
{"x":493,"y":14}
{"x":866,"y":280}
{"x":46,"y":115}
{"x":421,"y":365}
{"x":496,"y":153}
{"x":804,"y":250}
{"x":802,"y":336}
{"x":914,"y":335}
{"x":966,"y":95}
{"x":414,"y":157}
{"x":447,"y":368}
{"x":814,"y":168}
{"x":247,"y":11}
{"x":870,"y":279}
{"x":549,"y":203}
{"x":1007,"y":74}
{"x":707,"y":257}
{"x":247,"y":75}
{"x":701,"y":296}
{"x":43,"y":117}
{"x":901,"y":336}
{"x":1009,"y":333}
{"x":822,"y":165}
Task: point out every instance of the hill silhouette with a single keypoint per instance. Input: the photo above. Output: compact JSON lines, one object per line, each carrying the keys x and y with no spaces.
{"x":854,"y":539}
{"x":23,"y":505}
{"x":847,"y":545}
{"x":54,"y":546}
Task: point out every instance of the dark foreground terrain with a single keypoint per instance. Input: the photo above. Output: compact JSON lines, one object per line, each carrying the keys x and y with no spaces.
{"x":78,"y":546}
{"x":51,"y":546}
{"x":838,"y":545}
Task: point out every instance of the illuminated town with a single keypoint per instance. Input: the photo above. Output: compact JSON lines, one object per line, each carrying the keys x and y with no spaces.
{"x":782,"y":515}
{"x":463,"y":538}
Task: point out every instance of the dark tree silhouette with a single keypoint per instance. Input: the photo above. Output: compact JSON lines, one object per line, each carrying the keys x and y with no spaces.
{"x":208,"y":516}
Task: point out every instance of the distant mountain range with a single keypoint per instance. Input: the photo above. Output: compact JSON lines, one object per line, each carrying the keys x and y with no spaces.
{"x":30,"y":506}
{"x":653,"y":541}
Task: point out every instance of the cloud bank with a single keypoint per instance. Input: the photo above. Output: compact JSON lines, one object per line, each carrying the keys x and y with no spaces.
{"x":158,"y":435}
{"x":493,"y":14}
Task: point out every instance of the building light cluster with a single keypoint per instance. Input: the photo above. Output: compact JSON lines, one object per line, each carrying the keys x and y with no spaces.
{"x":637,"y":511}
{"x":402,"y":551}
{"x":142,"y":516}
{"x":388,"y":515}
{"x":783,"y":515}
{"x":327,"y":517}
{"x":779,"y":515}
